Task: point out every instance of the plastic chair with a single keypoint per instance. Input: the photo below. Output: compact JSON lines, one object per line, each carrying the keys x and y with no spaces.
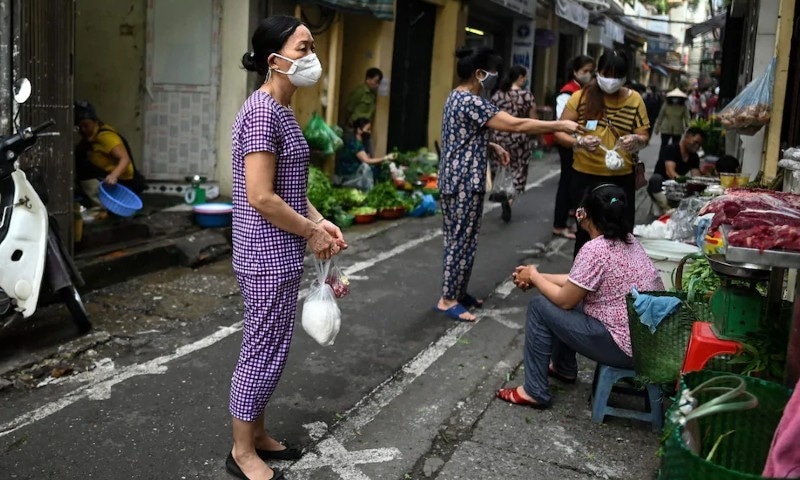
{"x":605,"y":378}
{"x":704,"y":345}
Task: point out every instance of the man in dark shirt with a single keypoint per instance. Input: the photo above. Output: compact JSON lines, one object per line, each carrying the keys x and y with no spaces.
{"x":676,"y":161}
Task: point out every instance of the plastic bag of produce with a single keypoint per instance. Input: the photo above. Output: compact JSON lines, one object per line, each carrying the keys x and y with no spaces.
{"x":321,"y":315}
{"x":614,"y":160}
{"x":502,"y":185}
{"x":752,"y":108}
{"x":337,"y":280}
{"x":363,"y":179}
{"x":317,"y":134}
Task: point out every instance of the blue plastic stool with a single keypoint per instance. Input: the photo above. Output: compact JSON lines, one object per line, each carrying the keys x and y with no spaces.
{"x":604,"y":379}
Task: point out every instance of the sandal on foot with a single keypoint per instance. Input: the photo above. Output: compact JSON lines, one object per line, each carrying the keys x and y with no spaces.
{"x":233,"y":469}
{"x":506,"y":211}
{"x":288,"y":454}
{"x":454,"y":312}
{"x":554,"y":373}
{"x":564,"y":233}
{"x":469,"y":301}
{"x":510,"y":395}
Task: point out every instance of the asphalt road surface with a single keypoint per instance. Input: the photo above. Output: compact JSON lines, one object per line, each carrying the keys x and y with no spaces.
{"x":404,"y":392}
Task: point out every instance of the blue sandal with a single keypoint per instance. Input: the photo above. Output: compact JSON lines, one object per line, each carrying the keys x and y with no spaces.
{"x":454,"y":312}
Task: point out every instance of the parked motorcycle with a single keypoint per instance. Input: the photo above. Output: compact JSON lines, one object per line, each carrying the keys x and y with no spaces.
{"x":32,"y":255}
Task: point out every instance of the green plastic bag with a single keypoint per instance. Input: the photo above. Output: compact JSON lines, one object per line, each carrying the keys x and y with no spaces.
{"x":318,"y":135}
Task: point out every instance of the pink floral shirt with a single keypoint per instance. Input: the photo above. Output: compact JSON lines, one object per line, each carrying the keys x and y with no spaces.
{"x":608,"y":270}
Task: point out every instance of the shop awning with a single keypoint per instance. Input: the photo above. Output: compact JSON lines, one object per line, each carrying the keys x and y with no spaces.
{"x":572,"y":12}
{"x":383,"y":9}
{"x":713,"y":23}
{"x":658,"y":68}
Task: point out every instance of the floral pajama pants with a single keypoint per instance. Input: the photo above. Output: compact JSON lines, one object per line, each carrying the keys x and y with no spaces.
{"x":462,"y":214}
{"x":270,"y":306}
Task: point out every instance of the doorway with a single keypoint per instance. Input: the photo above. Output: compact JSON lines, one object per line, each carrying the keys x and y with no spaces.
{"x":411,"y":72}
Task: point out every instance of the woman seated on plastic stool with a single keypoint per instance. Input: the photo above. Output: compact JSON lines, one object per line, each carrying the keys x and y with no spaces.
{"x":583,"y":311}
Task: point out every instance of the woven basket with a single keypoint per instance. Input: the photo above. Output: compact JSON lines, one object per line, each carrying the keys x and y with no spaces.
{"x":658,"y":357}
{"x":740,"y":455}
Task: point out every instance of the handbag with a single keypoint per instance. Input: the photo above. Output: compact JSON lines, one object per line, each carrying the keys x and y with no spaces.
{"x":639,"y":169}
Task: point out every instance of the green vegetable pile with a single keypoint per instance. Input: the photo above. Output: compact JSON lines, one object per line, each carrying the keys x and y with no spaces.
{"x":349,"y":197}
{"x":363,"y":211}
{"x":320,"y":193}
{"x":699,"y":278}
{"x":384,"y":195}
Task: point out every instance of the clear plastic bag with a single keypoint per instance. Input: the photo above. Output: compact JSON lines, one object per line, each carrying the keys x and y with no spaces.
{"x":337,"y":280}
{"x":502,"y":185}
{"x":363,"y":179}
{"x":752,"y":108}
{"x":614,"y":160}
{"x":321,"y":315}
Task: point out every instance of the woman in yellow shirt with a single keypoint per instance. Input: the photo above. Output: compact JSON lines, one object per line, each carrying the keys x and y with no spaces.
{"x":102,"y":155}
{"x":616,"y":124}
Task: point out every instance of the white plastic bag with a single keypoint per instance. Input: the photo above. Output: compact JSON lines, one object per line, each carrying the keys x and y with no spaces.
{"x":614,"y":160}
{"x":502,"y":185}
{"x":321,"y":315}
{"x":363,"y":179}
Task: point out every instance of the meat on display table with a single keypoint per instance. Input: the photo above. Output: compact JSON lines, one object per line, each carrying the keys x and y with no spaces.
{"x":779,"y":261}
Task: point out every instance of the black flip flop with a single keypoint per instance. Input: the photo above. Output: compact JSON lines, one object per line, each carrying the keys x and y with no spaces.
{"x":469,"y":301}
{"x":233,"y":469}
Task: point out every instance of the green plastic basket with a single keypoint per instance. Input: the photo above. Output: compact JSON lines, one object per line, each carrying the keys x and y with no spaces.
{"x":740,"y":455}
{"x":658,"y":357}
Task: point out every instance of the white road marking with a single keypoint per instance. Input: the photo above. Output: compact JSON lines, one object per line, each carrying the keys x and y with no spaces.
{"x":99,"y":387}
{"x":333,"y":454}
{"x":505,"y":289}
{"x":499,"y":315}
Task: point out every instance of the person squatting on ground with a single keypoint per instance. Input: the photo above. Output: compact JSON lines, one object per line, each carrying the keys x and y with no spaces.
{"x":515,"y":100}
{"x":466,"y":123}
{"x":584,"y":311}
{"x":581,"y":69}
{"x":273,"y":222}
{"x":354,"y":166}
{"x":102,"y":155}
{"x":612,"y":116}
{"x":673,"y":119}
{"x":675,"y":161}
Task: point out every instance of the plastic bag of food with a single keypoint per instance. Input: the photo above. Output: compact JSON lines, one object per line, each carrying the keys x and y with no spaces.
{"x":317,"y":134}
{"x":614,"y":160}
{"x":502,"y":185}
{"x":752,"y":108}
{"x":337,"y":280}
{"x":321,"y":315}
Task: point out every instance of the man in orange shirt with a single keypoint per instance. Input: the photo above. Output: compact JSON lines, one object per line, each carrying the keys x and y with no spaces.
{"x":102,"y":155}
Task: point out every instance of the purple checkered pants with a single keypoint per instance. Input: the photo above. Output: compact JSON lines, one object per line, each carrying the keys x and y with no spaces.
{"x":270,"y":306}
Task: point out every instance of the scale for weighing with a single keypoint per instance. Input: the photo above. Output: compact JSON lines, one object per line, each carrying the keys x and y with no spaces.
{"x":737,"y":307}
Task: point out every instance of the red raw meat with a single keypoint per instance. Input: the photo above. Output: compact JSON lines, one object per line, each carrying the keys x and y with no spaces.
{"x":767,"y":237}
{"x":759,"y":206}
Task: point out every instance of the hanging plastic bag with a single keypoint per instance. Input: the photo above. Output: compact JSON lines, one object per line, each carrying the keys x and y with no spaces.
{"x":318,"y":135}
{"x":749,"y":111}
{"x":321,"y":315}
{"x":502,"y":185}
{"x":337,"y":280}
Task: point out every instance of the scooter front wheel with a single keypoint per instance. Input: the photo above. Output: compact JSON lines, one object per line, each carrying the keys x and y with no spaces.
{"x":71,"y":297}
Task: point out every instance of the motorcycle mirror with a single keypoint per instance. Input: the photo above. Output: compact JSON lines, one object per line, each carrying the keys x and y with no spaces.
{"x":22,"y":90}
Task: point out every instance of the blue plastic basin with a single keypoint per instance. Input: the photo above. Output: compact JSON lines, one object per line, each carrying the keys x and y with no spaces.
{"x":213,"y":215}
{"x":119,"y":200}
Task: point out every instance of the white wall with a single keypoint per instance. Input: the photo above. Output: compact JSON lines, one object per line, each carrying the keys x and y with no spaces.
{"x":235,"y":40}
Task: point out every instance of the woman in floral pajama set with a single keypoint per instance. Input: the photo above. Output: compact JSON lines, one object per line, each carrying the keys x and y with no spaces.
{"x":468,"y":117}
{"x":272,"y":223}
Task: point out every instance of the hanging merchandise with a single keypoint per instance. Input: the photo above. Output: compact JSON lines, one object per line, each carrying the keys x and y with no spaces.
{"x":749,"y":111}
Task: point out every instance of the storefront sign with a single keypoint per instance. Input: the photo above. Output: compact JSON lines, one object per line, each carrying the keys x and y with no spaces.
{"x":522,"y":43}
{"x":525,"y":7}
{"x":572,"y":12}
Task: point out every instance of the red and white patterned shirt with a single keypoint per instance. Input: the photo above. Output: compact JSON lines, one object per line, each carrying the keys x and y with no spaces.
{"x":609,"y":269}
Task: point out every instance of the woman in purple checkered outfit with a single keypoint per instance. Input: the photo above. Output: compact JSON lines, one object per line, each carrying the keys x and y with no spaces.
{"x":272,"y":223}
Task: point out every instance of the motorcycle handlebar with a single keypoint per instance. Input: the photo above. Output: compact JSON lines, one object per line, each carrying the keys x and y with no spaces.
{"x":43,"y":126}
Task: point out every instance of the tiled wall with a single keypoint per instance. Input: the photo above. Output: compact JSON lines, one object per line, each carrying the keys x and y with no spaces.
{"x":179,"y":134}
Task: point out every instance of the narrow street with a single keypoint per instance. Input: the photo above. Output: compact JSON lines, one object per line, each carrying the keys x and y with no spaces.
{"x":404,"y":392}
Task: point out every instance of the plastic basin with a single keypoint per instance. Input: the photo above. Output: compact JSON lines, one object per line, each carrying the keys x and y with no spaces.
{"x":666,"y":254}
{"x":213,"y":215}
{"x":119,"y":200}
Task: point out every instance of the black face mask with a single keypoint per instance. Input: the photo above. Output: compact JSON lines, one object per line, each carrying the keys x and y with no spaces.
{"x":365,"y":135}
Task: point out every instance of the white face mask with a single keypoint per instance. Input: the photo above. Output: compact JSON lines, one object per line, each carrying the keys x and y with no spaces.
{"x":583,"y":78}
{"x":304,"y":72}
{"x":610,"y":85}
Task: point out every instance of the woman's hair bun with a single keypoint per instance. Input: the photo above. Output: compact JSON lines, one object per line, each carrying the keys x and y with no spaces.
{"x":249,"y":62}
{"x":464,"y":52}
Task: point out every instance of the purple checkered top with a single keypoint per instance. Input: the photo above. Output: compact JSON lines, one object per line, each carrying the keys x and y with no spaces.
{"x":259,"y":247}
